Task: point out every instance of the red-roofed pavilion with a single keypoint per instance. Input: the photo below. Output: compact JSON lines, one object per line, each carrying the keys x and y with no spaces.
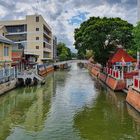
{"x":120,"y":56}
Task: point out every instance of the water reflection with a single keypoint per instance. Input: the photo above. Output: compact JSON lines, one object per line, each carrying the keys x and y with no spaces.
{"x":108,"y":119}
{"x":70,"y":106}
{"x":25,"y":108}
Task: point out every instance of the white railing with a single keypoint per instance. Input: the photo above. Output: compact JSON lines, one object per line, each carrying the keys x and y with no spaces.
{"x":6,"y":74}
{"x":136,"y":83}
{"x":117,"y":74}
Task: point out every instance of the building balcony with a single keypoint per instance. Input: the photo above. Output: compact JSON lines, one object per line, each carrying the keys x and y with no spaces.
{"x":47,"y":58}
{"x":16,"y":33}
{"x":48,"y":35}
{"x":47,"y":50}
{"x":47,"y":45}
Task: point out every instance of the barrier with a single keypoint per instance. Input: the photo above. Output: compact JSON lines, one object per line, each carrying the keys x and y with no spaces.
{"x":113,"y":73}
{"x":7,"y":74}
{"x":136,"y":83}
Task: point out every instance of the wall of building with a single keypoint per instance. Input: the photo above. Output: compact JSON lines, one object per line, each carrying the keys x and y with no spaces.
{"x":34,"y":45}
{"x":5,"y":59}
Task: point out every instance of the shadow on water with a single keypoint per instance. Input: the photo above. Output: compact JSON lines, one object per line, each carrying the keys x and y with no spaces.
{"x":109,"y":119}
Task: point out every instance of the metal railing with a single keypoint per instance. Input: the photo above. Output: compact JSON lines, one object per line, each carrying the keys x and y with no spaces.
{"x":7,"y":74}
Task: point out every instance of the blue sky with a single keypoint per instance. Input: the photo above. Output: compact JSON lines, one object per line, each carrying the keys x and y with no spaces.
{"x":78,"y":19}
{"x":66,"y":15}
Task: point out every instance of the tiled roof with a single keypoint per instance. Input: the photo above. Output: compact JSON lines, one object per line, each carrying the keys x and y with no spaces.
{"x":120,"y":55}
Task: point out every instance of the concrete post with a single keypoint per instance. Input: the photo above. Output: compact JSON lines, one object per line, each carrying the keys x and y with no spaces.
{"x":122,"y":76}
{"x":3,"y":72}
{"x":9,"y":72}
{"x":119,"y":75}
{"x":14,"y":72}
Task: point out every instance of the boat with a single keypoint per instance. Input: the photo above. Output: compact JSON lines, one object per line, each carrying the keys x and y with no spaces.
{"x":43,"y":69}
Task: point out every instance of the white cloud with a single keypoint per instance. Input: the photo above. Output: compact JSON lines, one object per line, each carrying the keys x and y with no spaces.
{"x":58,"y":12}
{"x":3,"y":11}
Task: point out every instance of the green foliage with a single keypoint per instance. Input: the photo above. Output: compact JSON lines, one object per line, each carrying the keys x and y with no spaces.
{"x":94,"y":32}
{"x":136,"y":33}
{"x":89,"y":54}
{"x":63,"y":52}
{"x":74,"y":55}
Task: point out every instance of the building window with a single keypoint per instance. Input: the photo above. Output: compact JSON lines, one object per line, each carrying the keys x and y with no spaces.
{"x":37,"y":29}
{"x":6,"y":51}
{"x":37,"y":47}
{"x":37,"y":38}
{"x":37,"y":19}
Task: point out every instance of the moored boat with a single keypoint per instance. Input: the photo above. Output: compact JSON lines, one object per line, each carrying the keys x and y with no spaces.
{"x":43,"y":70}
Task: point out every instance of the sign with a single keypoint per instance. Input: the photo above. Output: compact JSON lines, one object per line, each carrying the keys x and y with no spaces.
{"x":126,"y":63}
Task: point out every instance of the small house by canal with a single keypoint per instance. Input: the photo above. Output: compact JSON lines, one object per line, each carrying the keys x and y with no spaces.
{"x":5,"y":52}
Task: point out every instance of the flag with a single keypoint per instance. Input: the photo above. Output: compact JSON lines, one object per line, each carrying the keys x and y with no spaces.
{"x":123,"y":62}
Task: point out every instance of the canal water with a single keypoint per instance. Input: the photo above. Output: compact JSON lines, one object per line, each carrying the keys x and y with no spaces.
{"x":70,"y":106}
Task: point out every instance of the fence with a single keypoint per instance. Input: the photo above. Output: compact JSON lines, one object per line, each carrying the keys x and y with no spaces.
{"x":113,"y":73}
{"x":136,"y":83}
{"x":7,"y":74}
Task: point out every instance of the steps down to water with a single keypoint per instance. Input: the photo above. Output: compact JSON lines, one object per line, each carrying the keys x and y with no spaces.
{"x":28,"y":78}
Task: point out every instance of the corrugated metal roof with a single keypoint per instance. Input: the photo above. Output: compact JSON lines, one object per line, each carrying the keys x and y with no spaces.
{"x":5,"y":40}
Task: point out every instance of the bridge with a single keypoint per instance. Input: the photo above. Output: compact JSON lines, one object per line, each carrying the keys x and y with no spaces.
{"x":70,"y":61}
{"x":33,"y":73}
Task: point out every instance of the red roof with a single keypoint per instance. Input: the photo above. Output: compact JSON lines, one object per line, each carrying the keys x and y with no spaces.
{"x":121,"y":55}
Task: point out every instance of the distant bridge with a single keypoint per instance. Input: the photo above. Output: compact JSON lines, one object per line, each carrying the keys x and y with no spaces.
{"x":70,"y":61}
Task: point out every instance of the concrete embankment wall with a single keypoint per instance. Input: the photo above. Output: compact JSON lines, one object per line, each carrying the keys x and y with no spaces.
{"x":133,"y":98}
{"x":102,"y":77}
{"x":114,"y":84}
{"x":5,"y":87}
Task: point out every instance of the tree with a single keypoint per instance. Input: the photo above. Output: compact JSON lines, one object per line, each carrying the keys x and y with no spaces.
{"x":63,"y":52}
{"x":136,"y":33}
{"x":102,"y":35}
{"x":89,"y":54}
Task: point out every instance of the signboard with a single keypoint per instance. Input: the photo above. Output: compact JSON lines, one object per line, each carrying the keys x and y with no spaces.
{"x":126,"y":64}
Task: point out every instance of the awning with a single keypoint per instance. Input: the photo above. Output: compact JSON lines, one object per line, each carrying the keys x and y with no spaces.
{"x":30,"y":53}
{"x":17,"y":55}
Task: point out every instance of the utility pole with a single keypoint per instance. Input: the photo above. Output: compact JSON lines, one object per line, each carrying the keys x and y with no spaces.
{"x":138,"y":62}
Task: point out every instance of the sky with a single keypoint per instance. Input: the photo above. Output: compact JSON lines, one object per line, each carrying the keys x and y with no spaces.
{"x":66,"y":15}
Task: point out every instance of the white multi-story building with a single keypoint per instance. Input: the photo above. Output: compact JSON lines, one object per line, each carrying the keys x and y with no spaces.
{"x":32,"y":34}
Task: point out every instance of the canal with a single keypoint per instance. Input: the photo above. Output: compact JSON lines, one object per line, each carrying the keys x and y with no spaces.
{"x":70,"y":106}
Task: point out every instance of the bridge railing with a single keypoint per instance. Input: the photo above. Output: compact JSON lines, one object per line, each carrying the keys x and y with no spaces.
{"x":7,"y":74}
